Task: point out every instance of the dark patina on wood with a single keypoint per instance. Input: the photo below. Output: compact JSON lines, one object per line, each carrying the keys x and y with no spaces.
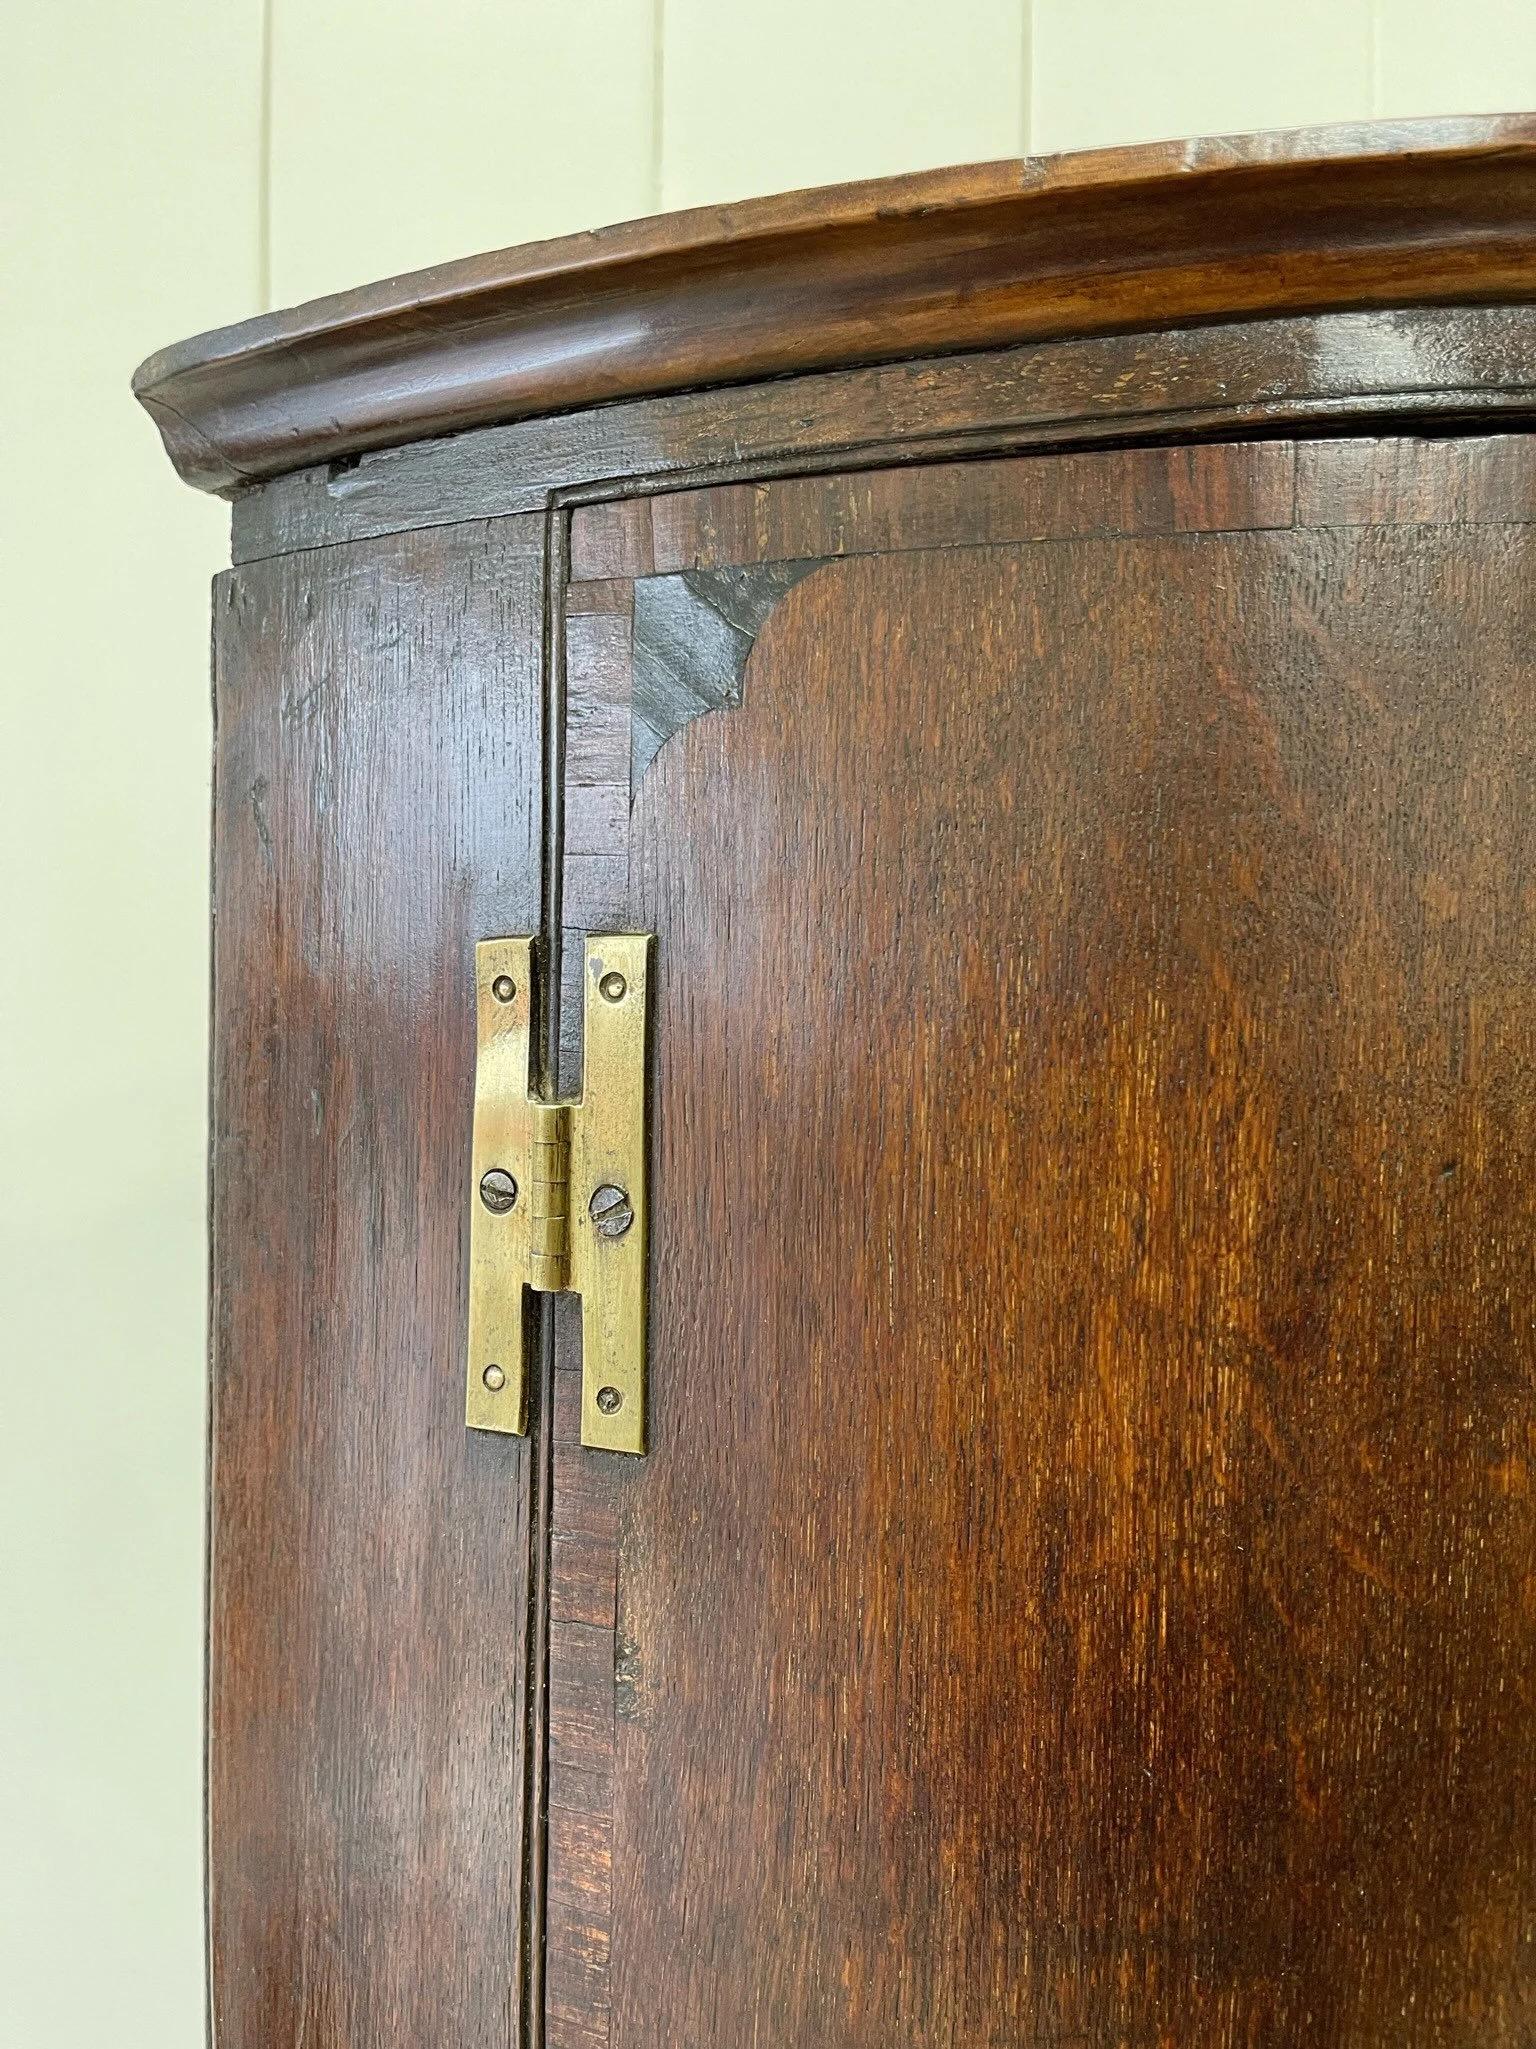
{"x":1441,"y":368}
{"x":1080,"y":1586}
{"x":692,"y":636}
{"x":377,"y":768}
{"x":1078,"y":1589}
{"x":1167,"y":235}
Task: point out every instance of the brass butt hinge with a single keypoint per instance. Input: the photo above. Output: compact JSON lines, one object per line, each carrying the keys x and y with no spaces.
{"x":557,"y":1191}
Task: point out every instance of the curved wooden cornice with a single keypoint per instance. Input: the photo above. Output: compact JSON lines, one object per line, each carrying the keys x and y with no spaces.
{"x":1171,"y":235}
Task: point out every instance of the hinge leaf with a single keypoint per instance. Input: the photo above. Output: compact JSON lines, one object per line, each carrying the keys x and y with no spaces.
{"x":558,"y":1196}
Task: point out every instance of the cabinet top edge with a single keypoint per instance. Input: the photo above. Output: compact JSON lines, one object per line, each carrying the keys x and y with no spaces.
{"x":1162,"y":235}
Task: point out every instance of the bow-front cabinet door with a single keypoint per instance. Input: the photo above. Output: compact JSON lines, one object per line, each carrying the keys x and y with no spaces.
{"x":1079,"y":1588}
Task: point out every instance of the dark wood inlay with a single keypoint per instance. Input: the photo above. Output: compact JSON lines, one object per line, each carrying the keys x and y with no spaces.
{"x":692,"y":636}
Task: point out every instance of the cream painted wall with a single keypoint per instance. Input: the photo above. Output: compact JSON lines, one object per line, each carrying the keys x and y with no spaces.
{"x":403,"y":134}
{"x":129,"y":150}
{"x":174,"y":165}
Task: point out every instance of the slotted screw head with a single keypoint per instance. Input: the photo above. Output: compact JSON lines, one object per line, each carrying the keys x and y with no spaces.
{"x":498,"y":1191}
{"x":611,"y":1211}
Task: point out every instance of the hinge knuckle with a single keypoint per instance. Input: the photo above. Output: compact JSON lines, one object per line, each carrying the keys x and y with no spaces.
{"x":549,"y":1226}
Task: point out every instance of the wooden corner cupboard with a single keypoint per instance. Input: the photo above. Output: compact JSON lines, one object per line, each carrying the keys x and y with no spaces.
{"x":1041,"y":661}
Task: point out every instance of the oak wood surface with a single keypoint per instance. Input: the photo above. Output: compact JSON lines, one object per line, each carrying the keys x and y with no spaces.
{"x":378,"y":777}
{"x":1467,"y":479}
{"x":617,"y":545}
{"x":1080,"y":1589}
{"x":1161,"y":236}
{"x":1098,"y":1614}
{"x":1443,"y":367}
{"x":1144,"y":490}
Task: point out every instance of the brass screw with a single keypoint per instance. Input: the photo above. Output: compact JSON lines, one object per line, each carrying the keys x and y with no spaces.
{"x":609,"y":1399}
{"x":494,"y":1379}
{"x":613,"y":986}
{"x":503,"y":988}
{"x":498,"y":1191}
{"x":611,"y":1210}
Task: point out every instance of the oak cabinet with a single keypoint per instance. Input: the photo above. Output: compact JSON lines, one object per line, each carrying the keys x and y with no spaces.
{"x":1048,"y":653}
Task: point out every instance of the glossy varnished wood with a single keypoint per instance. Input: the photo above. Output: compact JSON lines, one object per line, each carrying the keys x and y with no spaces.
{"x":1080,"y":1589}
{"x":1163,"y":236}
{"x":1145,"y":491}
{"x":1277,"y":485}
{"x":1456,"y":366}
{"x":378,"y":773}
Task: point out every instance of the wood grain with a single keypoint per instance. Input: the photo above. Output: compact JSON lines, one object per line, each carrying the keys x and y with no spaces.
{"x":583,"y":1661}
{"x":1474,"y":479}
{"x":1161,"y":236}
{"x":1479,"y":480}
{"x":735,"y":528}
{"x":599,"y":685}
{"x":1345,"y":371}
{"x":1149,"y":490}
{"x":1081,"y":1588}
{"x":378,"y":776}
